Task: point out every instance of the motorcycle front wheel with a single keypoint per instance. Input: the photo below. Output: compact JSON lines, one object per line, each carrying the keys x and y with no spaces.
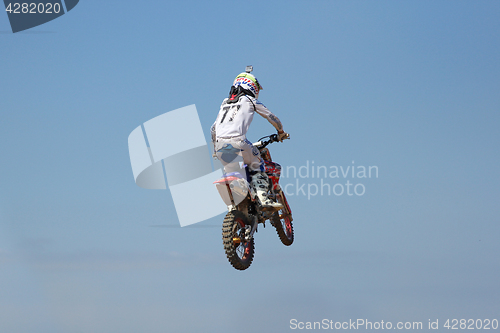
{"x":238,"y":251}
{"x":282,"y":221}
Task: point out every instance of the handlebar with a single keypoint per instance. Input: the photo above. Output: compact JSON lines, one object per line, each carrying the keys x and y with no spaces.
{"x":263,"y":144}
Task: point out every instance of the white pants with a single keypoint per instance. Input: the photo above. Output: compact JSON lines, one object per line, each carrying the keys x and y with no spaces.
{"x":237,"y":150}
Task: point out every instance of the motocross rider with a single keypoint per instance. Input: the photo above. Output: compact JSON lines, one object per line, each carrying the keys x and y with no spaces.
{"x":230,"y":128}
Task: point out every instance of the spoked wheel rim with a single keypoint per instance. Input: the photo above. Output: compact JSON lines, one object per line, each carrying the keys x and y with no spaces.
{"x":242,"y":248}
{"x":287,"y":227}
{"x":283,"y":224}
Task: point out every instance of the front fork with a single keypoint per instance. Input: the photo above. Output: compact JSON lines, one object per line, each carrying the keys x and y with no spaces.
{"x":286,"y":211}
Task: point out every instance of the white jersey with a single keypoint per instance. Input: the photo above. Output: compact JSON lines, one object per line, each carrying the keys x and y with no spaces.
{"x":234,"y":119}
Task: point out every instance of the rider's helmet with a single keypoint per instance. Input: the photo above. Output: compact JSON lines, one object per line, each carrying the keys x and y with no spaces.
{"x":244,"y":84}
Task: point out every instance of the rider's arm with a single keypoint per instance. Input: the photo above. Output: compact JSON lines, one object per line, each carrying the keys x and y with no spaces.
{"x":212,"y":132}
{"x":213,"y":129}
{"x":264,"y":112}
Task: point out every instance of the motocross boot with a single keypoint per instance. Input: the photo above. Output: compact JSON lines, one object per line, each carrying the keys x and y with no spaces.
{"x":260,"y":183}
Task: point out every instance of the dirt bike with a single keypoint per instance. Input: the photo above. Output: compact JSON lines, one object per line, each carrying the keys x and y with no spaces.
{"x":245,"y":213}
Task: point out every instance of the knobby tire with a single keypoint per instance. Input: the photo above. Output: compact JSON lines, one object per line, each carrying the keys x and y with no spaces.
{"x":239,"y":253}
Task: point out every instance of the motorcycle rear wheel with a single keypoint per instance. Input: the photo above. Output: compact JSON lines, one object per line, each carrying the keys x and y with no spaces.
{"x":283,"y":223}
{"x":239,"y":252}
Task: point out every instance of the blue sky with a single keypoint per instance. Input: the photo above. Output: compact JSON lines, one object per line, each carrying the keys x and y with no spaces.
{"x":409,"y":87}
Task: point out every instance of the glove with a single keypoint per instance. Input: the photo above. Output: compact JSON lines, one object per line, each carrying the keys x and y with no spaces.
{"x":283,"y":136}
